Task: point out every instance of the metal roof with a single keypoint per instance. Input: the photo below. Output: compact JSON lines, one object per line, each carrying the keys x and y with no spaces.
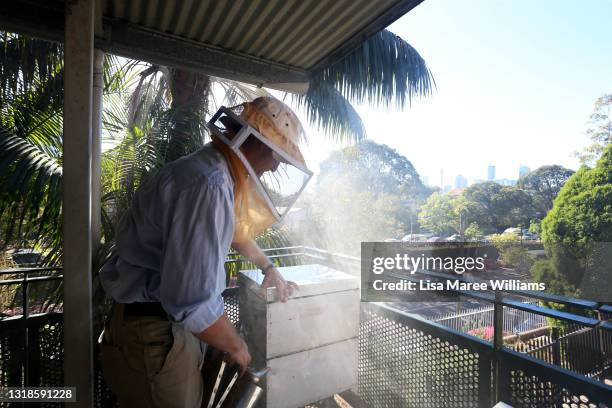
{"x":258,"y":41}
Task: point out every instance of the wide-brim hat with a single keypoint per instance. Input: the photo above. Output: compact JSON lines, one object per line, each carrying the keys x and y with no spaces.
{"x":277,"y":123}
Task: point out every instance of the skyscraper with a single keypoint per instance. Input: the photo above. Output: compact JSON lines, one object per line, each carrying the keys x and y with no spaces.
{"x":460,"y":182}
{"x":491,"y":173}
{"x":523,"y":170}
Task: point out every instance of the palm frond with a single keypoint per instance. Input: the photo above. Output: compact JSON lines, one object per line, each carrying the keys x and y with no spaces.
{"x":30,"y":162}
{"x":235,"y":93}
{"x":30,"y":189}
{"x":119,"y":73}
{"x":24,"y":60}
{"x":384,"y":71}
{"x":331,"y":112}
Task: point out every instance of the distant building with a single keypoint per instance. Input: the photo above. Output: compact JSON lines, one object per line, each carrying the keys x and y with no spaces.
{"x":491,"y":173}
{"x":523,"y":170}
{"x":447,"y":188}
{"x":460,"y":181}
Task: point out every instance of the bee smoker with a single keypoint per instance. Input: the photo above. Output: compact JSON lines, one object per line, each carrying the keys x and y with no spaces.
{"x":247,"y":391}
{"x":227,"y":389}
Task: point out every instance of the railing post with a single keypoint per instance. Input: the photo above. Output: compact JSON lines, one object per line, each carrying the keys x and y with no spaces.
{"x":32,"y":375}
{"x":24,"y":297}
{"x":26,"y":336}
{"x":498,"y":343}
{"x":556,"y":346}
{"x":484,"y":383}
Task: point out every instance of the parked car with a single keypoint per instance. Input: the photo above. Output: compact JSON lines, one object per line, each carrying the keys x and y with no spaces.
{"x":522,"y":233}
{"x":414,"y":238}
{"x":454,"y":238}
{"x":514,"y":231}
{"x":530,"y":236}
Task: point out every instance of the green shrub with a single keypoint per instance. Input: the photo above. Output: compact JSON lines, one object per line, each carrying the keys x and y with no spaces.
{"x":511,"y":252}
{"x":577,"y":232}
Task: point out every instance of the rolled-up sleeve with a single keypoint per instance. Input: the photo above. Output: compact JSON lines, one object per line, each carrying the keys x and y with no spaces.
{"x":199,"y":227}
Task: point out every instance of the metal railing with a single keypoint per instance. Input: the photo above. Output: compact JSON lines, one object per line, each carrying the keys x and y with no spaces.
{"x":21,"y":330}
{"x":25,"y":282}
{"x":406,"y":360}
{"x":503,"y":374}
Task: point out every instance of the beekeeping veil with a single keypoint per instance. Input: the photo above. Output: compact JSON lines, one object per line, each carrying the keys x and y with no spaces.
{"x":261,"y":201}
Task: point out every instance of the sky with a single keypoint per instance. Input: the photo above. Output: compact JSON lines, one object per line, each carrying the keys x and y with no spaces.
{"x":516,"y":82}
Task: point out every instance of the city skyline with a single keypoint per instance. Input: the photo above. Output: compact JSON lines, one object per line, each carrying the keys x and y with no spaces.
{"x":489,"y":106}
{"x":460,"y":181}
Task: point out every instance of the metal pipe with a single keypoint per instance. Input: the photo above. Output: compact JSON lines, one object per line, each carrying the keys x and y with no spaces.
{"x":96,"y":149}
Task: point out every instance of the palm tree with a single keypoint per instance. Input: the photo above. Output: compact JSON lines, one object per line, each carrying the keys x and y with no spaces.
{"x":153,"y":115}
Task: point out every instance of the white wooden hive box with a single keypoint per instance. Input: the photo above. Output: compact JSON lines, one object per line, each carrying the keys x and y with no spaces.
{"x":309,"y":342}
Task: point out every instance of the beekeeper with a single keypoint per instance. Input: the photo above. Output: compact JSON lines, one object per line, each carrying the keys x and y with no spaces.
{"x":168,"y":275}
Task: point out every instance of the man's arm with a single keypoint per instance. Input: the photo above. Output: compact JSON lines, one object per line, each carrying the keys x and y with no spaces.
{"x":197,"y":238}
{"x":251,"y":251}
{"x":222,"y":335}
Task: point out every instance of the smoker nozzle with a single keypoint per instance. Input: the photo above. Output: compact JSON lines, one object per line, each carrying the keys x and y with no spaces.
{"x":257,"y":375}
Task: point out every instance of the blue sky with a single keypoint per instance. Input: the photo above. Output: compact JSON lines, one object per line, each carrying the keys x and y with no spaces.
{"x":516,"y":81}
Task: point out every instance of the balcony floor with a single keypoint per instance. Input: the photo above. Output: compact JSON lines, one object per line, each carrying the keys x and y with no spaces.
{"x":346,"y":399}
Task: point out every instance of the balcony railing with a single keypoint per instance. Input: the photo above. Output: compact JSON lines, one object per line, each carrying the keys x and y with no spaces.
{"x":405,"y":360}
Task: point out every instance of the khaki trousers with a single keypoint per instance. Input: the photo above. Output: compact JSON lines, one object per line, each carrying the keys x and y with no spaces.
{"x":149,"y":362}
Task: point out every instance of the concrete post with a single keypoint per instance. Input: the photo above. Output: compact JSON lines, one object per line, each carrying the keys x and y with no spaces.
{"x":78,"y":89}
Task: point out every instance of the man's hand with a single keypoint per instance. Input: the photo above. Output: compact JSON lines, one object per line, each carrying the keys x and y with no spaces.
{"x":241,"y":356}
{"x":223,"y":336}
{"x":274,"y":278}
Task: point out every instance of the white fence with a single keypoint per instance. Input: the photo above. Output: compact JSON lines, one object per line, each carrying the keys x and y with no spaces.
{"x":515,"y":321}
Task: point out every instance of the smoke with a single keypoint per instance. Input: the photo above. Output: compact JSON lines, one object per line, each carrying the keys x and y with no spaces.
{"x":337,"y":217}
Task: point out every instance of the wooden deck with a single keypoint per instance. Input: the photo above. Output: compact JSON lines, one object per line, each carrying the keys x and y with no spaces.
{"x":346,"y":399}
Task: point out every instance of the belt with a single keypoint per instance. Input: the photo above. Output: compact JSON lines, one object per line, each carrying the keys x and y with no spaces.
{"x":144,"y":309}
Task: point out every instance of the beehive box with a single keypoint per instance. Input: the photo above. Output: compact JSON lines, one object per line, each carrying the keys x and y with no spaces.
{"x":310,"y":342}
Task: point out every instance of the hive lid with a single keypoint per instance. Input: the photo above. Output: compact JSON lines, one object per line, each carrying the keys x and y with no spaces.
{"x":312,"y":280}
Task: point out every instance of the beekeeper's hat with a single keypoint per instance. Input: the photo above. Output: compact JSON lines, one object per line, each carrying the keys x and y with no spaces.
{"x":260,"y":200}
{"x":277,"y":122}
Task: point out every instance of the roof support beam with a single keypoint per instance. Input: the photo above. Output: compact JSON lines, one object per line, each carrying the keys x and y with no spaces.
{"x":165,"y":49}
{"x":77,"y":233}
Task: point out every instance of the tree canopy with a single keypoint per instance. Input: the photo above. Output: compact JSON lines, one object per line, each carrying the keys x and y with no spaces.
{"x":600,"y":131}
{"x":365,"y":192}
{"x":495,"y":207}
{"x":577,"y":232}
{"x":369,"y":166}
{"x":544,"y":183}
{"x":438,"y":214}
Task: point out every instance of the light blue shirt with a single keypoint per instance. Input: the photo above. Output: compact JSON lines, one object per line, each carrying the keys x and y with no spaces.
{"x":172,"y":243}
